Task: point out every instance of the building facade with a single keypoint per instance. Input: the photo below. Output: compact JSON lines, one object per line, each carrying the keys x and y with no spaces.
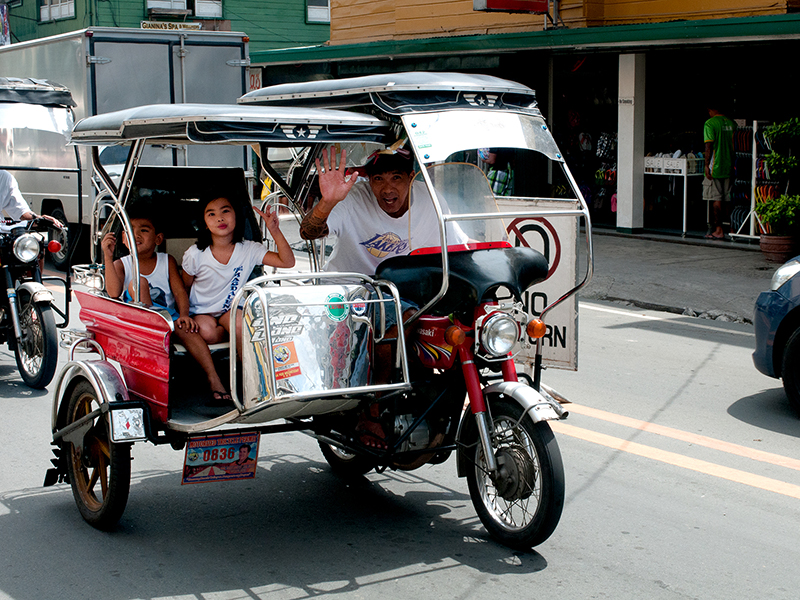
{"x":639,"y":73}
{"x":270,"y":24}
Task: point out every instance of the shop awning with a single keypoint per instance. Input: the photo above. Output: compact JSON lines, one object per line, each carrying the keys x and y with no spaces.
{"x":618,"y":37}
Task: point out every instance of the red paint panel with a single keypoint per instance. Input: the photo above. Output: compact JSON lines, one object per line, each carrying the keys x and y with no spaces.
{"x":138,"y":339}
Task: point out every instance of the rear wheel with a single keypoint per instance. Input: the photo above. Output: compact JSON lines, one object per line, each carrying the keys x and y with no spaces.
{"x":36,"y":351}
{"x":522,"y":505}
{"x":790,"y":370}
{"x":99,"y":470}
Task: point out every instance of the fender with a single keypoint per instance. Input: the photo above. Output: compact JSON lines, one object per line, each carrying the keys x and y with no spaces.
{"x":539,"y":406}
{"x":108,"y":386}
{"x":101,"y":374}
{"x":37,"y":291}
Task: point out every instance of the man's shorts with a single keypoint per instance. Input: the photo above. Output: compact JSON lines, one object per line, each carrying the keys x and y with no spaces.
{"x":716,"y":189}
{"x":391,"y":318}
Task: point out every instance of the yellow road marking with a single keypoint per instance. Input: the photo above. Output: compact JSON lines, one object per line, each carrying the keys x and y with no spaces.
{"x":678,"y":460}
{"x":685,"y":436}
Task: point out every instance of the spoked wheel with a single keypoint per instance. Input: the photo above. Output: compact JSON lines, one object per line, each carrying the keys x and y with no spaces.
{"x":99,"y":471}
{"x":344,"y":463}
{"x":522,"y":505}
{"x":37,"y":351}
{"x":790,"y":370}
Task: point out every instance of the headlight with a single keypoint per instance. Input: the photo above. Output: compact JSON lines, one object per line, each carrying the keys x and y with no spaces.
{"x":26,"y":248}
{"x":499,"y":334}
{"x":784,"y":274}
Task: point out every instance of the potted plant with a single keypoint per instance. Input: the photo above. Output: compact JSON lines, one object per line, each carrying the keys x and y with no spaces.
{"x":780,"y":216}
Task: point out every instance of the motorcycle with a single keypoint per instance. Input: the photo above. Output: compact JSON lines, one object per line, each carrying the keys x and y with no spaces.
{"x":311,"y":337}
{"x":34,"y":113}
{"x":27,"y":322}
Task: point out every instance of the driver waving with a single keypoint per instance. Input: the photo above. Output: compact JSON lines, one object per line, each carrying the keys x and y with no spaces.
{"x":389,"y":215}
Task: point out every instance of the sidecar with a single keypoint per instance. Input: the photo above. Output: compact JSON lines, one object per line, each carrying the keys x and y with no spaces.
{"x":310,"y":335}
{"x":307,"y":343}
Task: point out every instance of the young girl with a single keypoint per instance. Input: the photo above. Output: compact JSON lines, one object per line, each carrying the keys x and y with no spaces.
{"x":215,"y":268}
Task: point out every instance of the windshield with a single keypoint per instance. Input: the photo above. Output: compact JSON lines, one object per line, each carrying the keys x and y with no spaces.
{"x":35,"y":136}
{"x":436,"y":136}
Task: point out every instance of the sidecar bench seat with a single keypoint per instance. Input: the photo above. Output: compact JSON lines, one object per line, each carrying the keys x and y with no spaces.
{"x":180,"y":350}
{"x":475,"y":276}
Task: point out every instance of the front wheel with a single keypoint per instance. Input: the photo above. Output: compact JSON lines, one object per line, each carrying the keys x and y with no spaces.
{"x":37,"y":350}
{"x":99,"y":470}
{"x":522,"y":504}
{"x":790,"y":370}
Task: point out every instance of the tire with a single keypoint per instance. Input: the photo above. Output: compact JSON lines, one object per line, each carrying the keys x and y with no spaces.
{"x":97,"y":463}
{"x":790,"y":370}
{"x":344,"y":463}
{"x":523,"y":509}
{"x":67,"y":239}
{"x":37,"y":351}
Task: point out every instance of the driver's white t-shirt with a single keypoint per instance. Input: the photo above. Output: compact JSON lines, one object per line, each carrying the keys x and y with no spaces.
{"x":366,"y":235}
{"x":11,"y":200}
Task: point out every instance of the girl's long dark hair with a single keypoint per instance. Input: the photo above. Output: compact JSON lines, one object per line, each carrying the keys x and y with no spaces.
{"x":204,"y":235}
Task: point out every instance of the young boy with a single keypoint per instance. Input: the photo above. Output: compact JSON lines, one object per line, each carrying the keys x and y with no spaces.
{"x":160,"y":282}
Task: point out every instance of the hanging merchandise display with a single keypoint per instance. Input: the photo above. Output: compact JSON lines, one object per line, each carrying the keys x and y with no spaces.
{"x":757,"y":185}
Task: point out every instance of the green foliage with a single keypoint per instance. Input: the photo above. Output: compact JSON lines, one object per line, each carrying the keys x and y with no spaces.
{"x":782,"y":214}
{"x":780,"y":165}
{"x":784,"y":130}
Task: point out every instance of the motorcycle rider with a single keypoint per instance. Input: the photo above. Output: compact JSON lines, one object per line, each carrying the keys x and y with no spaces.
{"x":12,"y":202}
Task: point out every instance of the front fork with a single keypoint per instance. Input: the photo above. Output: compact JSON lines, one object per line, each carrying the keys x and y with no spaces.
{"x":477,"y":402}
{"x":11,"y":293}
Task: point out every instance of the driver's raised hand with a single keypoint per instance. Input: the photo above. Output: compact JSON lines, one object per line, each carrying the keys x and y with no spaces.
{"x":334,"y":183}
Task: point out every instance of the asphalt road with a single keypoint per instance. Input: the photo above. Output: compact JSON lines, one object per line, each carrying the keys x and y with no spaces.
{"x":682,"y":482}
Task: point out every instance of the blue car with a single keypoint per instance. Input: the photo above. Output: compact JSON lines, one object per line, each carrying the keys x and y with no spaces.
{"x":777,"y":325}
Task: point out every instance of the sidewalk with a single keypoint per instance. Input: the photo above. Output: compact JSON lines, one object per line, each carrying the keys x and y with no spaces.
{"x":718,"y":280}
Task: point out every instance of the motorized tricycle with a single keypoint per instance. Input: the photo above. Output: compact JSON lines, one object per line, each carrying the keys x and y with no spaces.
{"x":310,"y":337}
{"x":32,"y":110}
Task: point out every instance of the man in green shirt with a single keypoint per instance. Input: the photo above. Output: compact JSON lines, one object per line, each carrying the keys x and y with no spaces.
{"x":718,"y":135}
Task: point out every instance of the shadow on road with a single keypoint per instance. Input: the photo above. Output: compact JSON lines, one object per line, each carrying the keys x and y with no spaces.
{"x":769,"y":410}
{"x":294,"y":531}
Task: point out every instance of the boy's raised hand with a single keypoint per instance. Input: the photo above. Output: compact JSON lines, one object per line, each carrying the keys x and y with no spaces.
{"x":108,"y":243}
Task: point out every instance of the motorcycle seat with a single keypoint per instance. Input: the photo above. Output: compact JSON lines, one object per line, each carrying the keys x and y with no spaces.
{"x":475,"y":276}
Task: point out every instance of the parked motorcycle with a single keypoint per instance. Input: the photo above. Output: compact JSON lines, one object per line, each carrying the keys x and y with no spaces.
{"x":27,"y":322}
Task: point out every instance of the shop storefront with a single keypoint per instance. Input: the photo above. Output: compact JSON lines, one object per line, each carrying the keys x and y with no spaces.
{"x":626,"y":104}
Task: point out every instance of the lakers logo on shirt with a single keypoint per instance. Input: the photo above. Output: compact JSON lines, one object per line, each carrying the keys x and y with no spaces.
{"x":385,"y":243}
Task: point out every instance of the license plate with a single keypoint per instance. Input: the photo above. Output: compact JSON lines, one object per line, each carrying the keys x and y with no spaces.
{"x":221,"y":457}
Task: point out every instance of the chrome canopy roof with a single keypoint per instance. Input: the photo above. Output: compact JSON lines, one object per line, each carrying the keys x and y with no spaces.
{"x":397,"y":93}
{"x":34,"y":91}
{"x":231,"y":124}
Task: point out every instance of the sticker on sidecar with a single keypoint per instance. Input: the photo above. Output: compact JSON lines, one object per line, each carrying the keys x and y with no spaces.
{"x":221,"y":458}
{"x":336,"y":307}
{"x":284,"y":357}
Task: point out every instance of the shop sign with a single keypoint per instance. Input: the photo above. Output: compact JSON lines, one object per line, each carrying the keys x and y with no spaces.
{"x":171,"y":25}
{"x":536,"y":7}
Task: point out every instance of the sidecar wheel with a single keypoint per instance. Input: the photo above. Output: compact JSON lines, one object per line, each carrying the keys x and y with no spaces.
{"x":37,"y":352}
{"x":344,"y":463}
{"x":522,"y":507}
{"x":99,"y":470}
